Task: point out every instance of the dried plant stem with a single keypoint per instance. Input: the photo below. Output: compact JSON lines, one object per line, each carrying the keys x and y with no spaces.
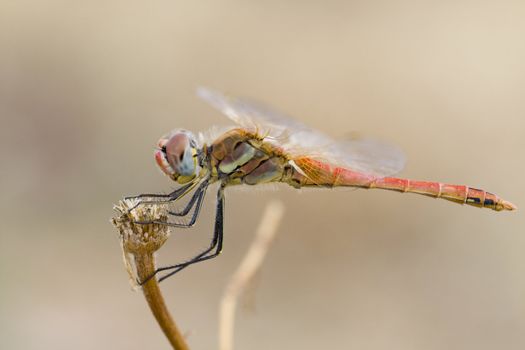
{"x":245,"y":272}
{"x":145,"y":265}
{"x":139,"y":243}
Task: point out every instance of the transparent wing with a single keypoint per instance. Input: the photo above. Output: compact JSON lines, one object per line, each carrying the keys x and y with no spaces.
{"x":250,"y":114}
{"x":297,"y":139}
{"x":370,"y":156}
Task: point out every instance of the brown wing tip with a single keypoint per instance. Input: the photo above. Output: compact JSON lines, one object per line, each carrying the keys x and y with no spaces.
{"x":508,"y":205}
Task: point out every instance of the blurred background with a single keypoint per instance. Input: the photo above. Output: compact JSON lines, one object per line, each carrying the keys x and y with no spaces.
{"x":87,"y":88}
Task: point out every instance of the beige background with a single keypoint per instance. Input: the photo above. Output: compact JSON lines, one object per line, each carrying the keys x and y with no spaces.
{"x":86,"y":89}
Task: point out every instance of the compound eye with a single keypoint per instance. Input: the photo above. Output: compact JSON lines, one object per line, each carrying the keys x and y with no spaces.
{"x":175,"y":149}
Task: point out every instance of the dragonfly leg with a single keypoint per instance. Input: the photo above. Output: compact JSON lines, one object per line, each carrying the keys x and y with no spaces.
{"x":197,"y":210}
{"x":197,"y":197}
{"x":161,"y":198}
{"x":216,"y":244}
{"x":218,"y":235}
{"x":196,"y":201}
{"x":175,"y":194}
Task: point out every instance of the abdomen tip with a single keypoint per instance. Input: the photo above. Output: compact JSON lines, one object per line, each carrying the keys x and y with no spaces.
{"x":508,"y":205}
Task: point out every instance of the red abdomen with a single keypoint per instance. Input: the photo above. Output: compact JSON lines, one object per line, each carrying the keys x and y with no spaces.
{"x":316,"y":173}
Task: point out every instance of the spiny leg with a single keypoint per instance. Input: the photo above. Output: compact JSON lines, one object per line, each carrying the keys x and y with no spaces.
{"x":216,"y":243}
{"x":217,"y":240}
{"x":173,"y":194}
{"x":196,"y":201}
{"x":162,"y":198}
{"x":201,"y":189}
{"x":196,"y":212}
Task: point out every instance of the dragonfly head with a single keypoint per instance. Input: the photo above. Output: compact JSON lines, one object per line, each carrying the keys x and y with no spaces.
{"x":177,"y":155}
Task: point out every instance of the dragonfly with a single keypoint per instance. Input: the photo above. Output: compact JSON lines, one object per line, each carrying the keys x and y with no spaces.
{"x":266,"y":146}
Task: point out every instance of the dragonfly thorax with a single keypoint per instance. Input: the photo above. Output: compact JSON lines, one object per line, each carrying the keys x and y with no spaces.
{"x":177,"y":155}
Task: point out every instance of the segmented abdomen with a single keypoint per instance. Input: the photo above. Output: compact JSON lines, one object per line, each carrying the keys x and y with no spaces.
{"x":315,"y":173}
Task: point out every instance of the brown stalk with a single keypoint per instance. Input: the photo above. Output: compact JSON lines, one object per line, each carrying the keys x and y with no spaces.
{"x":139,"y":244}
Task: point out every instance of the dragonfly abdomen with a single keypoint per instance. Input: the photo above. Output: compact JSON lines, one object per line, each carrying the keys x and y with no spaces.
{"x":315,"y":173}
{"x":455,"y":193}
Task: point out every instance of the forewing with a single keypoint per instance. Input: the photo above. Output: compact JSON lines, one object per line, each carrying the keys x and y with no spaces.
{"x":300,"y":141}
{"x":370,"y":156}
{"x":250,"y":114}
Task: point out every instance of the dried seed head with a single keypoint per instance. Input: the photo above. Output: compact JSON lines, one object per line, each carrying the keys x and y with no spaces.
{"x":136,"y":237}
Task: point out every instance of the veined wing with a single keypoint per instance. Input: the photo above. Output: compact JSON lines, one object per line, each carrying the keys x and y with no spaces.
{"x":363,"y":155}
{"x":250,"y":114}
